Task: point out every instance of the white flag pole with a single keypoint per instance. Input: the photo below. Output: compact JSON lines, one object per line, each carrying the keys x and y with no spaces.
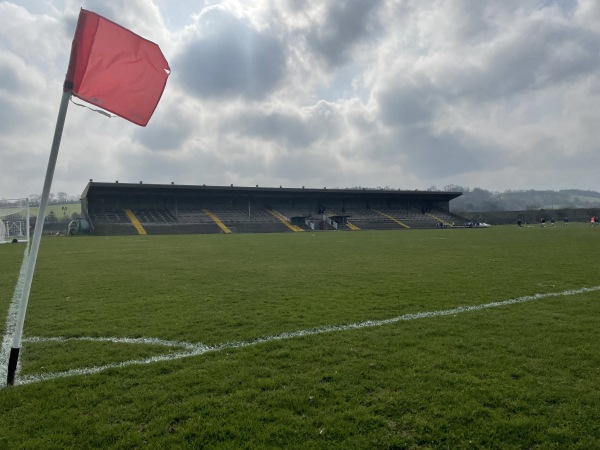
{"x":37,"y":236}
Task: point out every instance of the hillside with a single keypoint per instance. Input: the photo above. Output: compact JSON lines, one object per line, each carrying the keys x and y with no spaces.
{"x":479,"y":200}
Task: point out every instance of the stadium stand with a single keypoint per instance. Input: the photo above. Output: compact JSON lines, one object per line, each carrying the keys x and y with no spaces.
{"x":122,"y":208}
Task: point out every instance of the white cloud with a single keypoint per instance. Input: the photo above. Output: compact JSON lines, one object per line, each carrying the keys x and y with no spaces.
{"x":385,"y":93}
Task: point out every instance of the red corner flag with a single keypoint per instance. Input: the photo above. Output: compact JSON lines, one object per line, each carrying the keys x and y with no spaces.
{"x":115,"y":69}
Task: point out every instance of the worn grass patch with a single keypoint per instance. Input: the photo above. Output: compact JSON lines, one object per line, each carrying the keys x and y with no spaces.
{"x":518,"y":376}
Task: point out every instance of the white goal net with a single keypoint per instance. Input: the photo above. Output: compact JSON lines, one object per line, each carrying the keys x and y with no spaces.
{"x":14,"y":220}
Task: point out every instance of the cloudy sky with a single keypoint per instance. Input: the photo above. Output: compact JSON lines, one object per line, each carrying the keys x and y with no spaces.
{"x":401,"y":93}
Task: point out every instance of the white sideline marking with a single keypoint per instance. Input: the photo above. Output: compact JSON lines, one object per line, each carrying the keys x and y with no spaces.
{"x":11,"y":318}
{"x":200,"y":349}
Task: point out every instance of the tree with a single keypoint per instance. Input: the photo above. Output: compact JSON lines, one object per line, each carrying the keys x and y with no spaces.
{"x":455,"y":188}
{"x":34,"y":199}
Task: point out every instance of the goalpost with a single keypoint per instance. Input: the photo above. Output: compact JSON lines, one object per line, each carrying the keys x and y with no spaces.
{"x":14,"y":220}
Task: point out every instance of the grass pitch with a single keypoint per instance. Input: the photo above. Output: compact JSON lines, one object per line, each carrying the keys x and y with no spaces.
{"x":516,"y":376}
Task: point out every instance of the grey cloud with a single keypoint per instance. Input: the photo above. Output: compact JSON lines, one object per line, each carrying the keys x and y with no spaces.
{"x":408,"y":103}
{"x":304,"y":168}
{"x":567,"y":6}
{"x":11,"y":115}
{"x":537,"y":55}
{"x":427,"y":153}
{"x":285,"y":128}
{"x":291,"y":128}
{"x":168,"y":130}
{"x":543,"y":54}
{"x":16,"y":117}
{"x":160,"y":168}
{"x":431,"y":154}
{"x":18,"y":78}
{"x":129,"y":162}
{"x":470,"y":19}
{"x":345,"y":23}
{"x":9,"y":79}
{"x":229,"y":59}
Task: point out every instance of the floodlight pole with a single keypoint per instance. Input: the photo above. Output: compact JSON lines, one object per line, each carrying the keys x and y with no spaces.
{"x":37,"y":236}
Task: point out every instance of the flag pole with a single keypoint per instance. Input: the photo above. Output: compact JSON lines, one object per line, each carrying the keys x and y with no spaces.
{"x":37,"y":236}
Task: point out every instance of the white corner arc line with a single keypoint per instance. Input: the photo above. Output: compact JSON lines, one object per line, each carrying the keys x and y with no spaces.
{"x":113,"y":340}
{"x":200,"y":349}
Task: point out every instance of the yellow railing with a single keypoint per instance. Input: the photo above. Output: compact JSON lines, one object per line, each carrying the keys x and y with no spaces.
{"x":134,"y":220}
{"x":390,"y":217}
{"x":216,"y":220}
{"x":284,"y":221}
{"x":440,"y":220}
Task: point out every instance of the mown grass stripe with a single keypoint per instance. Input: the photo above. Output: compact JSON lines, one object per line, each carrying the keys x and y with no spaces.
{"x":200,"y":349}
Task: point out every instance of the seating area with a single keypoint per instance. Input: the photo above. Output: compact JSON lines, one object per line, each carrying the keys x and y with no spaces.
{"x":378,"y":217}
{"x":108,"y":215}
{"x":199,"y":220}
{"x":409,"y":215}
{"x":118,"y":208}
{"x":447,"y":216}
{"x":256,"y":215}
{"x":365,"y":215}
{"x":289,"y":213}
{"x":192,"y":216}
{"x":154,"y":215}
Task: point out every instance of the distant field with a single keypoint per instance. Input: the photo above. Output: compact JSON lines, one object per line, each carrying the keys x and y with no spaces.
{"x":238,"y":341}
{"x":59,"y":213}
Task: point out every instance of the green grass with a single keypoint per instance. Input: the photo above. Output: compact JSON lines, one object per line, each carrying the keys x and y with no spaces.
{"x":518,"y":376}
